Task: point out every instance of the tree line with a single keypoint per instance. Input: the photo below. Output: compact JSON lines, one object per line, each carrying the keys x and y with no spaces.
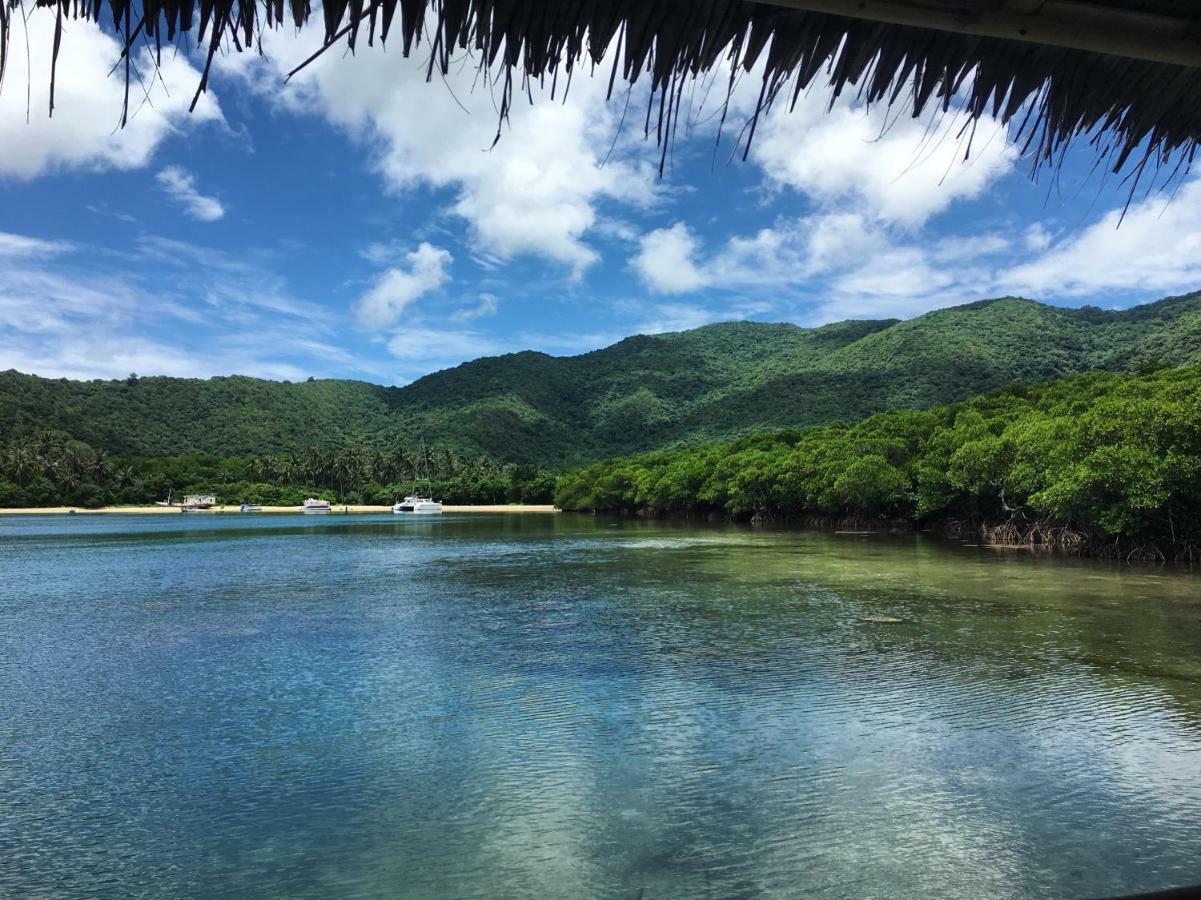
{"x":1102,"y":463}
{"x":53,"y":469}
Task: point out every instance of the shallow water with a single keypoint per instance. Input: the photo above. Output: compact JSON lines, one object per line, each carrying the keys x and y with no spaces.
{"x":576,"y":707}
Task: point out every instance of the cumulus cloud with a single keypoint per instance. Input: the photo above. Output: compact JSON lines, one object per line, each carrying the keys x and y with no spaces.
{"x":847,"y":265}
{"x":672,"y":260}
{"x":665,"y":260}
{"x":841,"y":265}
{"x":396,"y":288}
{"x":83,"y":132}
{"x":873,"y":183}
{"x":180,"y":185}
{"x":897,"y":170}
{"x":535,"y":191}
{"x":1156,"y":250}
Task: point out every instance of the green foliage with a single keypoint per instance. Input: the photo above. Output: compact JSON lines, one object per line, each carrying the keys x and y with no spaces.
{"x":643,"y":393}
{"x":48,"y":469}
{"x":1117,"y":454}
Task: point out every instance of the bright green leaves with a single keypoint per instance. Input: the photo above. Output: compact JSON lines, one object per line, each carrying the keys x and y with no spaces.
{"x":1117,"y":454}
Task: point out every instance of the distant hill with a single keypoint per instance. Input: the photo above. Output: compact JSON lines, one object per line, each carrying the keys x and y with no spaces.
{"x":644,"y":392}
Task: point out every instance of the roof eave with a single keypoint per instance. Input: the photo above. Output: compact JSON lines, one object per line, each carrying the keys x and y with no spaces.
{"x":1093,"y":27}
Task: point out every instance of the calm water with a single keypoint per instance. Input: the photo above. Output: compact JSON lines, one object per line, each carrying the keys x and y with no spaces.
{"x":572,"y":707}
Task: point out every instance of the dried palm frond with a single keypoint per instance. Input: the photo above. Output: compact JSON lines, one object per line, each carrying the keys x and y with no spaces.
{"x":1137,"y":114}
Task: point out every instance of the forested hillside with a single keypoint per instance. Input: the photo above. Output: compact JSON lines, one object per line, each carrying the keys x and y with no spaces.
{"x":643,"y":393}
{"x":1101,"y":463}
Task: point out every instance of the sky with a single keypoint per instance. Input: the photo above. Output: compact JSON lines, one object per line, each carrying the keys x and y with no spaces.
{"x":358,"y":222}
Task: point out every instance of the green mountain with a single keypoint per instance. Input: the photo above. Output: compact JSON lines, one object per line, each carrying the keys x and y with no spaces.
{"x":642,"y":393}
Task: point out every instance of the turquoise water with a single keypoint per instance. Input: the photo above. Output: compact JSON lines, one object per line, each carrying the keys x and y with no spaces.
{"x":575,"y":707}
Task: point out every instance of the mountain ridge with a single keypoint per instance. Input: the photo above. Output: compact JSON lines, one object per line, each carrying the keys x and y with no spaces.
{"x":644,"y":392}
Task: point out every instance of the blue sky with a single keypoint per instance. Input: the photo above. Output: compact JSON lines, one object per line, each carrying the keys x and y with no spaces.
{"x":357,"y":222}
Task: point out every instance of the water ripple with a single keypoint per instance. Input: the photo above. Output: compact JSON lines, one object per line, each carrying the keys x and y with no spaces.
{"x":576,"y":707}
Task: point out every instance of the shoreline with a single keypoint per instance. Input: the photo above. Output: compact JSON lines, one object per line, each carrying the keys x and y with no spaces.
{"x":339,"y":510}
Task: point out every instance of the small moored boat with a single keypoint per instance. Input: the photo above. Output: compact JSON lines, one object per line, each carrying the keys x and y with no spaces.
{"x":417,"y":505}
{"x":250,"y":507}
{"x":313,"y":506}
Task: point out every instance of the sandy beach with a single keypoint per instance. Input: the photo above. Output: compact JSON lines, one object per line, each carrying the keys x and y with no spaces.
{"x":219,"y":510}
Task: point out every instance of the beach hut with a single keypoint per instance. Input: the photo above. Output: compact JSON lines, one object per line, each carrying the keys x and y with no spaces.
{"x":1123,"y":74}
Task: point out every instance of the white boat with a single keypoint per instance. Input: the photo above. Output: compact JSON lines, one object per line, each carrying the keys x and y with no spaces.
{"x":193,"y":502}
{"x":250,"y":507}
{"x":315,"y":507}
{"x":414,"y":505}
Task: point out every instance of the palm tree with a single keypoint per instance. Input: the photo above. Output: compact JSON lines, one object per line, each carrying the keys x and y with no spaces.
{"x":66,"y":473}
{"x":100,"y":466}
{"x":258,"y":468}
{"x":344,"y":468}
{"x":286,"y":469}
{"x":22,"y":462}
{"x":401,"y":465}
{"x":124,"y":476}
{"x":75,"y":459}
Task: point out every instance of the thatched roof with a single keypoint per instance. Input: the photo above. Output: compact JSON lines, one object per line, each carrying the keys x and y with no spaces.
{"x":1125,"y":74}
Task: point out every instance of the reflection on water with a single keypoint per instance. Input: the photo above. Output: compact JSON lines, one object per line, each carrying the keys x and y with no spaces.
{"x":568,"y":706}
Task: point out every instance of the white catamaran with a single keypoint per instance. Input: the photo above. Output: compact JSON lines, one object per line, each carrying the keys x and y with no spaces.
{"x":415,"y":504}
{"x":418,"y":505}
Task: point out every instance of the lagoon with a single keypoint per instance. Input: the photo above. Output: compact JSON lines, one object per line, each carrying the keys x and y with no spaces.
{"x":571,"y":706}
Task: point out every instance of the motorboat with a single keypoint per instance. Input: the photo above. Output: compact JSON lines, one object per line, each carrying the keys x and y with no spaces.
{"x":250,"y":507}
{"x":314,"y":507}
{"x":414,"y":505}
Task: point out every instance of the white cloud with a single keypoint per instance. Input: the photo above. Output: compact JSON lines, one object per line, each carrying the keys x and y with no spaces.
{"x":1155,"y":251}
{"x":665,"y":260}
{"x":874,"y":179}
{"x":791,"y":250}
{"x":664,"y":317}
{"x":396,"y":288}
{"x":242,"y":288}
{"x":13,"y":245}
{"x":68,"y":324}
{"x":61,"y":317}
{"x":425,"y":344}
{"x":180,"y":185}
{"x":487,"y":306}
{"x":834,"y":266}
{"x":849,"y":265}
{"x":537,"y":191}
{"x":383,"y":252}
{"x":83,"y":132}
{"x":1037,"y":238}
{"x":83,"y":357}
{"x":883,"y":163}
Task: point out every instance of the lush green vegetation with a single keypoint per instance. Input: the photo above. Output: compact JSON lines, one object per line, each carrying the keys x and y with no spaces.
{"x":1104,"y":462}
{"x":644,"y":393}
{"x":54,"y":470}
